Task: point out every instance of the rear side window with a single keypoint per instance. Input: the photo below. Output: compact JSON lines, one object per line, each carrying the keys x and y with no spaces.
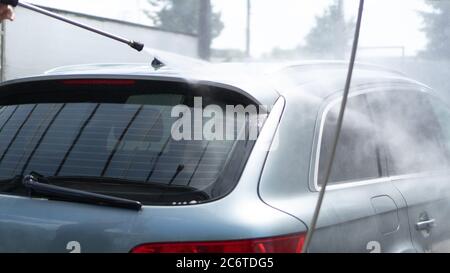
{"x":410,"y":131}
{"x":357,"y":153}
{"x":118,"y":140}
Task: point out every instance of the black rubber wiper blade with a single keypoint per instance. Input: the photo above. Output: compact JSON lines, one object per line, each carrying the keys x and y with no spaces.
{"x":159,"y":191}
{"x":122,"y":181}
{"x":34,"y":183}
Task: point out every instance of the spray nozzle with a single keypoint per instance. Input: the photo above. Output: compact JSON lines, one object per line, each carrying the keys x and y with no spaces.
{"x":136,"y":45}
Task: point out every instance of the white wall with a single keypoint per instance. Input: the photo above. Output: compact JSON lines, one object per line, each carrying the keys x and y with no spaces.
{"x":35,"y":43}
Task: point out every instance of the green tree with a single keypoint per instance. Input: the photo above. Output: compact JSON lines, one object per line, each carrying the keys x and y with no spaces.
{"x":185,"y":16}
{"x":437,"y":30}
{"x":331,"y":35}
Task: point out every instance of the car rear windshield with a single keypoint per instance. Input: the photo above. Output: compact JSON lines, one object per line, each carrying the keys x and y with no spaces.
{"x":116,"y":137}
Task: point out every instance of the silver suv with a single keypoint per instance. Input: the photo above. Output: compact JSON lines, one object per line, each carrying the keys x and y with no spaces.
{"x":89,"y":162}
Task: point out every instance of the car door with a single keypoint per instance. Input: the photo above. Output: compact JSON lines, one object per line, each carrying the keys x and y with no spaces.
{"x":416,"y":161}
{"x":371,"y":213}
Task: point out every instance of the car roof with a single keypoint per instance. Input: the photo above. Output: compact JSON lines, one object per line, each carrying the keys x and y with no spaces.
{"x":325,"y":79}
{"x":263,"y":82}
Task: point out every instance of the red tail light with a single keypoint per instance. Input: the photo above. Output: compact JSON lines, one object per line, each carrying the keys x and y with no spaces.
{"x":99,"y":82}
{"x":284,"y":244}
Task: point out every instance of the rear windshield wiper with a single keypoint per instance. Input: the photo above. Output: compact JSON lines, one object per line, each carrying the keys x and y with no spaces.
{"x":38,"y":184}
{"x":103,"y":180}
{"x":148,"y":192}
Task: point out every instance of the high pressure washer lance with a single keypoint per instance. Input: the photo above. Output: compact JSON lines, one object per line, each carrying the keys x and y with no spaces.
{"x":136,"y":45}
{"x":157,"y":62}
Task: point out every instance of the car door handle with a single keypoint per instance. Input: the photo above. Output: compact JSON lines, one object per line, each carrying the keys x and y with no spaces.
{"x":425,"y":225}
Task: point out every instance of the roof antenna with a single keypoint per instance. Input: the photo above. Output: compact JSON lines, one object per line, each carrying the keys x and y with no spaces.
{"x":340,"y":120}
{"x":157,"y":64}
